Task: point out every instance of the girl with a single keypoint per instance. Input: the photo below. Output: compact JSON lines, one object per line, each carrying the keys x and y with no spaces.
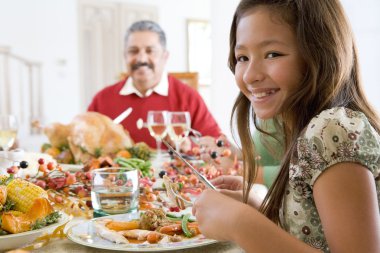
{"x":295,"y":61}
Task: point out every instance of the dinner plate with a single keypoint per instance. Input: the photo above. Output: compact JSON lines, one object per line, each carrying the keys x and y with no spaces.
{"x":84,"y":234}
{"x":71,"y":167}
{"x":14,"y":241}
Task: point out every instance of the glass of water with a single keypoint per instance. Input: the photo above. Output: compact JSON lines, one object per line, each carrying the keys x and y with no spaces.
{"x":114,"y":190}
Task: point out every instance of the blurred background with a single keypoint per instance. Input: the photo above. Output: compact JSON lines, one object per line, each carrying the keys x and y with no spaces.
{"x":56,"y":54}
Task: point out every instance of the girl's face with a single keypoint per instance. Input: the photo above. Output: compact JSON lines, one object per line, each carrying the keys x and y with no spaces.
{"x":269,"y":66}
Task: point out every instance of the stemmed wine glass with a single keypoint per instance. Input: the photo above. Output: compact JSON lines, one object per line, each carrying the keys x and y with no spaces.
{"x":156,"y":123}
{"x":8,"y":131}
{"x":179,"y":125}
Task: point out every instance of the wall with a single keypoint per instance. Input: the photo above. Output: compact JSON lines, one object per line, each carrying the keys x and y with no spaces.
{"x":365,"y":21}
{"x":224,"y":89}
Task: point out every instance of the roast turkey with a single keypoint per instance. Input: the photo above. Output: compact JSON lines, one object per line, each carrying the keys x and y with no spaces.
{"x":90,"y":134}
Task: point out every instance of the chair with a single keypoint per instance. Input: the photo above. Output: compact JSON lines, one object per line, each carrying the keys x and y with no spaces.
{"x":189,"y":78}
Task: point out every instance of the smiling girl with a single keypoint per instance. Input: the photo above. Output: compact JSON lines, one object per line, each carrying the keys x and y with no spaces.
{"x":295,"y":61}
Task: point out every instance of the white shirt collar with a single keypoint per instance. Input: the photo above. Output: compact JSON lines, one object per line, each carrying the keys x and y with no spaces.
{"x":162,"y":88}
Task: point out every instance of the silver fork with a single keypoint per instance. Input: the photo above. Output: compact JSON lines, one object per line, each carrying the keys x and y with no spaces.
{"x":174,"y":195}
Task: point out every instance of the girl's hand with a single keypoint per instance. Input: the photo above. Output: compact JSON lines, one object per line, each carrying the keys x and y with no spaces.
{"x":216,"y":214}
{"x":232,"y":183}
{"x":232,"y":186}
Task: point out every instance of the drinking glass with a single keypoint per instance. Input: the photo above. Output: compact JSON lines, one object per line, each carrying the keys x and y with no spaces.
{"x":8,"y":131}
{"x":179,"y":125}
{"x":156,"y":123}
{"x":114,"y":190}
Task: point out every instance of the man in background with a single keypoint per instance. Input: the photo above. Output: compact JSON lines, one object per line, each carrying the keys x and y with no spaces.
{"x":149,"y":87}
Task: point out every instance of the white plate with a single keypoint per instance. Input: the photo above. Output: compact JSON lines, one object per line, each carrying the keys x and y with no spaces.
{"x":71,"y":167}
{"x":14,"y":241}
{"x":79,"y":234}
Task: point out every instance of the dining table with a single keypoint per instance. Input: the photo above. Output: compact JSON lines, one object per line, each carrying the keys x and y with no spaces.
{"x":65,"y":245}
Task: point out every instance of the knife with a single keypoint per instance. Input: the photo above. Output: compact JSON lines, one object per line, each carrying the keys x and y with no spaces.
{"x":202,"y":178}
{"x":123,"y":116}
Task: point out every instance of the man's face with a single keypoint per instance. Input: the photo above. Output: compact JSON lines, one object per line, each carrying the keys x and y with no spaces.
{"x":145,"y":59}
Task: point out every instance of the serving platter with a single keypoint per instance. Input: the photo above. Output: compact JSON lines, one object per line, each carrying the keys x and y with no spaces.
{"x":14,"y":241}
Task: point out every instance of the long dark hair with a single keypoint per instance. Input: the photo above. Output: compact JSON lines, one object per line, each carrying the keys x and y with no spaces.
{"x":331,"y":79}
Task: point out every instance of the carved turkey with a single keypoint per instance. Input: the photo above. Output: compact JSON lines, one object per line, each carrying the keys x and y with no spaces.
{"x":90,"y":134}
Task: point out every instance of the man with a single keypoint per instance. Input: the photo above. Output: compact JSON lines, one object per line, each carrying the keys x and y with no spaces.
{"x":148,"y":86}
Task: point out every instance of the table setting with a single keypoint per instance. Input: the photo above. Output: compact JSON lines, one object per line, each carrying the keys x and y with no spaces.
{"x":94,"y":197}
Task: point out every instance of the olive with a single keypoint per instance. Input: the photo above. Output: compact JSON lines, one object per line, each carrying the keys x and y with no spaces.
{"x":220,"y":143}
{"x":214,"y":154}
{"x":24,"y":164}
{"x":162,"y":173}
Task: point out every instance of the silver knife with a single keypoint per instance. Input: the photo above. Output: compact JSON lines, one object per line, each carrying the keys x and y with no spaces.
{"x":123,"y":116}
{"x":202,"y":178}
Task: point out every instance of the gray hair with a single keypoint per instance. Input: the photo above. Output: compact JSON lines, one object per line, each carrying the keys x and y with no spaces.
{"x":147,"y":25}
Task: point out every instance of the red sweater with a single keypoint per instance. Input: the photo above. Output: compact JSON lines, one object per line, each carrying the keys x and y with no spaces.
{"x":181,"y":97}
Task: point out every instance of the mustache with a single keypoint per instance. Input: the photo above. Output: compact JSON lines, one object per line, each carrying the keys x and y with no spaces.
{"x":141,"y":64}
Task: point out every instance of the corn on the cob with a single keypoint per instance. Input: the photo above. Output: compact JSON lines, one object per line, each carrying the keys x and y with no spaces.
{"x":3,"y":195}
{"x":23,"y":194}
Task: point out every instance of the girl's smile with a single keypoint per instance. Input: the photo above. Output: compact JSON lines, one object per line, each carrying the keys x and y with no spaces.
{"x":261,"y":95}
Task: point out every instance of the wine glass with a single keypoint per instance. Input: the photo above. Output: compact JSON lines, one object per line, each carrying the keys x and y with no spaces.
{"x":8,"y":131}
{"x":179,"y":125}
{"x":156,"y":123}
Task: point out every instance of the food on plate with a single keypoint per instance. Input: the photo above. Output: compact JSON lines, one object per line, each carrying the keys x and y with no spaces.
{"x":154,"y":226}
{"x":23,"y":206}
{"x":88,"y":135}
{"x":153,"y":219}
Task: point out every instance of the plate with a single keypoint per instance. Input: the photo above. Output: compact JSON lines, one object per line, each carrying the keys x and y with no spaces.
{"x":71,"y":167}
{"x":14,"y":241}
{"x":78,"y":233}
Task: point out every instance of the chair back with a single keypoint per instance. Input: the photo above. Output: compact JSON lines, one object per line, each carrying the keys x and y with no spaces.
{"x":189,"y":78}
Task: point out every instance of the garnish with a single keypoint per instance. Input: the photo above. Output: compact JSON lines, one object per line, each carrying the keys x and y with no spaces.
{"x":50,"y":219}
{"x":9,"y":205}
{"x":185,"y":229}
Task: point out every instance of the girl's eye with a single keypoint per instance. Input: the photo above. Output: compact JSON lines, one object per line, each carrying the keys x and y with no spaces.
{"x":241,"y":58}
{"x":272,"y":55}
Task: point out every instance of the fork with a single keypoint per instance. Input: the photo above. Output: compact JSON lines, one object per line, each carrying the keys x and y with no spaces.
{"x":174,"y":195}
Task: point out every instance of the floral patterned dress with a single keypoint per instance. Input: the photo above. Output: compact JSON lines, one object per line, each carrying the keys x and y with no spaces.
{"x":335,"y":135}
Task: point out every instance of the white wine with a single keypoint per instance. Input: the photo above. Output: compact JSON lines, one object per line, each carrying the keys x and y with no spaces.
{"x":157,"y":130}
{"x":7,"y":138}
{"x":178,"y":131}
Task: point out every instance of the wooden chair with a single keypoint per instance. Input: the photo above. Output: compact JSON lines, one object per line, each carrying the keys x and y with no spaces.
{"x":189,"y":78}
